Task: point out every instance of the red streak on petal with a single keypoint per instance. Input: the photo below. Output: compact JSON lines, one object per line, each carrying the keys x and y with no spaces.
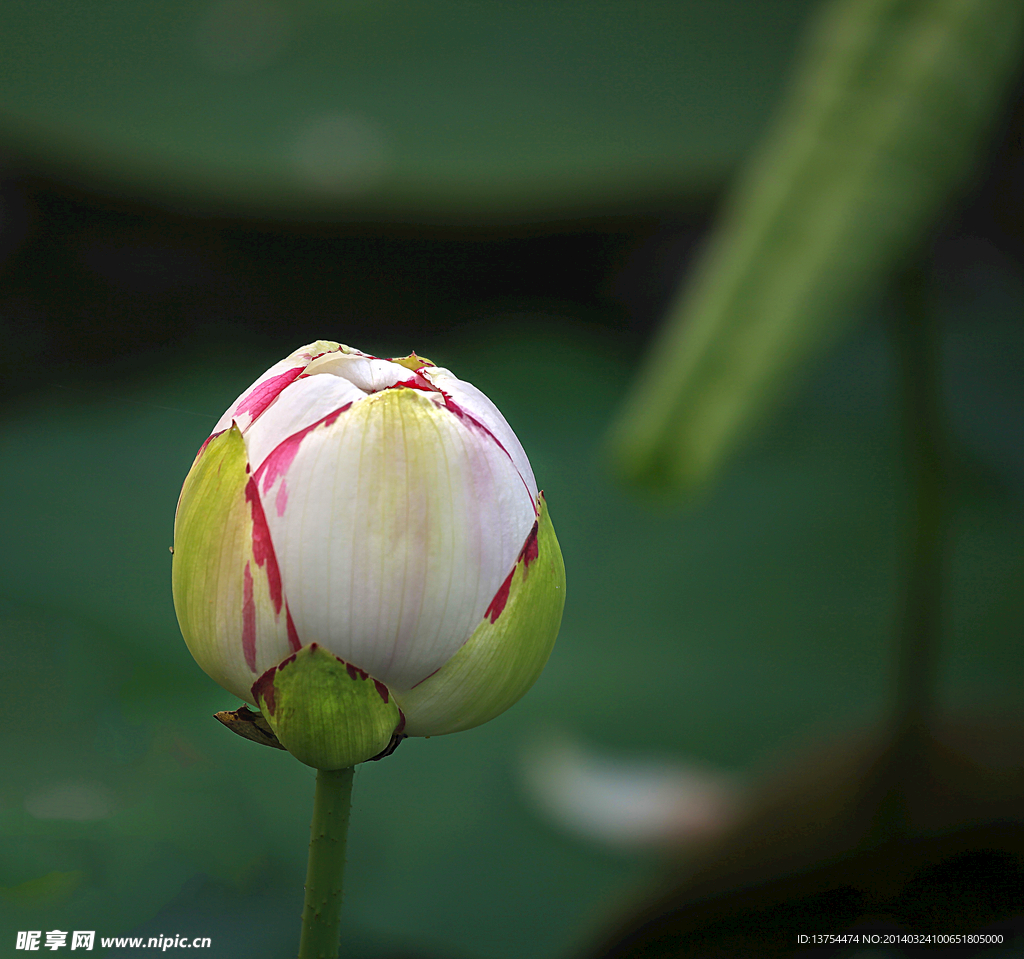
{"x":281,"y":500}
{"x":401,"y":722}
{"x":526,"y":556}
{"x":463,"y":415}
{"x":293,"y":636}
{"x":500,"y":599}
{"x":416,"y":382}
{"x":382,"y":690}
{"x":262,"y":545}
{"x":265,"y":393}
{"x":419,"y":382}
{"x":472,"y":420}
{"x":248,"y":620}
{"x":281,"y":457}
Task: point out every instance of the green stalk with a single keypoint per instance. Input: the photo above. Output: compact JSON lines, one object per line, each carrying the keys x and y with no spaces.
{"x":915,"y":332}
{"x":918,"y":348}
{"x":321,"y":913}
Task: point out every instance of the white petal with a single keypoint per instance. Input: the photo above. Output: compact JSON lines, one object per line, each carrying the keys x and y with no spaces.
{"x":300,"y":405}
{"x":400,"y":524}
{"x":369,"y":373}
{"x":470,"y":399}
{"x":255,"y":398}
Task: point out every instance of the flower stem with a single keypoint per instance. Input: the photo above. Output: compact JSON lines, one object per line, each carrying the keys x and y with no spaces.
{"x":321,"y":913}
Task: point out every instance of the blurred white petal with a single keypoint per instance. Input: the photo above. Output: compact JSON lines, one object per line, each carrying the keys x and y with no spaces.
{"x":75,"y":800}
{"x":625,"y":802}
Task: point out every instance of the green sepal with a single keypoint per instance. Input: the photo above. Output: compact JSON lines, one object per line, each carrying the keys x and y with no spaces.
{"x":503,"y":658}
{"x":326,"y":712}
{"x":412,"y":361}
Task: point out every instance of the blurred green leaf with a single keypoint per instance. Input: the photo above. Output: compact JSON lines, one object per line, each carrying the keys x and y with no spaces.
{"x":430,"y":108}
{"x":888,"y":108}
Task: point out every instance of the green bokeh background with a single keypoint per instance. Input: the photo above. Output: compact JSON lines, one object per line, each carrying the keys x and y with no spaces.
{"x":714,"y":635}
{"x":720,"y":634}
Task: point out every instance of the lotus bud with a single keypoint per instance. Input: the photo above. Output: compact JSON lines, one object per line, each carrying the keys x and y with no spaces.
{"x":361,"y":552}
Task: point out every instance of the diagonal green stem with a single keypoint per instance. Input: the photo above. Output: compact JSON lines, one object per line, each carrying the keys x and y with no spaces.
{"x":321,"y":913}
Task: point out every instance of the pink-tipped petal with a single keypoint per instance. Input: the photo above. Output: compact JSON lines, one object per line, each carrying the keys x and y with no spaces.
{"x":257,"y":398}
{"x":305,"y":402}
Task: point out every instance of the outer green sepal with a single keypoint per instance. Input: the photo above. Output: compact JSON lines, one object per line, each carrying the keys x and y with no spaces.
{"x":503,"y":657}
{"x":326,"y":712}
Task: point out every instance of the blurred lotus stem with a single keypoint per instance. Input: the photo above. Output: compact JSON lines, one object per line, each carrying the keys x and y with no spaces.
{"x":891,"y":103}
{"x":321,"y":913}
{"x":916,"y":337}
